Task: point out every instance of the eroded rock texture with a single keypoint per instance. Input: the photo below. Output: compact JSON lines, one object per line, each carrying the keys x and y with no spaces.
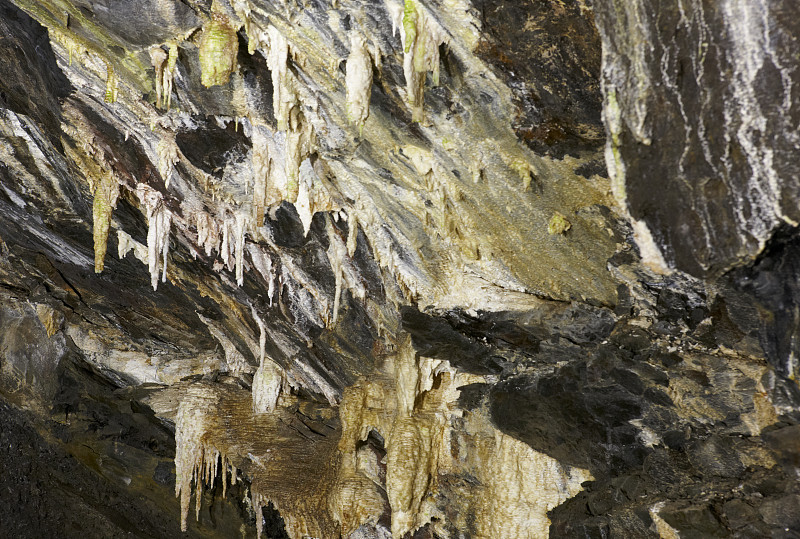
{"x":356,"y":269}
{"x":701,"y":109}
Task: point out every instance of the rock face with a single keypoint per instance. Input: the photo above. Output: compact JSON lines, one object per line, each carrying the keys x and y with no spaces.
{"x":356,"y":269}
{"x":701,"y":112}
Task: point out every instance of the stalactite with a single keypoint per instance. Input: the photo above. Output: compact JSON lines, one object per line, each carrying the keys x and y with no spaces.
{"x":267,"y":384}
{"x":313,"y":196}
{"x":106,"y":192}
{"x":191,"y":424}
{"x":303,"y":203}
{"x":261,"y":170}
{"x":157,"y":58}
{"x":299,"y":140}
{"x":421,"y":37}
{"x":169,"y":73}
{"x":207,"y":232}
{"x":284,"y":96}
{"x":111,"y":84}
{"x":167,"y":158}
{"x":337,"y":252}
{"x":126,"y":244}
{"x":159,"y":219}
{"x":359,"y":81}
{"x":228,"y":248}
{"x":410,"y":404}
{"x":164,"y":63}
{"x":352,"y":234}
{"x":219,"y":46}
{"x":263,"y":264}
{"x":242,"y":227}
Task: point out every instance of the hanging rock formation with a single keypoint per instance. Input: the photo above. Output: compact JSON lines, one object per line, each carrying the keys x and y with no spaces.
{"x":403,"y":268}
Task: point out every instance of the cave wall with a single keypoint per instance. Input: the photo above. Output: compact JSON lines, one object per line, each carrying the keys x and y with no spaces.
{"x":398,"y":269}
{"x":701,"y":112}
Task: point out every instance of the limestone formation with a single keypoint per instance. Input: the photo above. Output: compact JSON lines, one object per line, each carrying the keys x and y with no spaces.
{"x":399,"y":269}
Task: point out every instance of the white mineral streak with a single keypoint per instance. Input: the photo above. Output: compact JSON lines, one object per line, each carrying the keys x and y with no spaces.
{"x":421,"y":37}
{"x":651,"y":254}
{"x":612,"y":117}
{"x":664,"y":530}
{"x":235,"y":361}
{"x":314,"y":381}
{"x":126,"y":244}
{"x":636,"y":34}
{"x":311,"y":303}
{"x":158,"y":222}
{"x":749,"y":31}
{"x":359,"y":81}
{"x":262,"y":339}
{"x":753,"y":46}
{"x":637,"y":43}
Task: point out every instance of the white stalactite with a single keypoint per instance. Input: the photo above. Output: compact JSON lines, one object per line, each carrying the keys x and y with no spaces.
{"x":158,"y":220}
{"x":157,"y":58}
{"x":352,"y":234}
{"x":267,"y":383}
{"x":303,"y":204}
{"x":228,"y":248}
{"x":359,"y":81}
{"x":207,"y":232}
{"x":164,"y":65}
{"x":167,"y":158}
{"x":194,"y":461}
{"x":337,"y":253}
{"x":261,"y":170}
{"x":126,"y":244}
{"x":242,"y":226}
{"x":283,"y":95}
{"x":264,"y":266}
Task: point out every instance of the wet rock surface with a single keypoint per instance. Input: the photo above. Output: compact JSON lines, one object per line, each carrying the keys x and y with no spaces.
{"x":698,"y":105}
{"x":548,"y":53}
{"x":96,"y":464}
{"x":362,"y":269}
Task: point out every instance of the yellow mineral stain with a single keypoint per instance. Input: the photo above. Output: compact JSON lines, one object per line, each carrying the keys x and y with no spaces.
{"x":219,"y":46}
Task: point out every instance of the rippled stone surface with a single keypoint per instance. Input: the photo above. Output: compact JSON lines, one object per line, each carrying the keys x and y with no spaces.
{"x":363,"y":269}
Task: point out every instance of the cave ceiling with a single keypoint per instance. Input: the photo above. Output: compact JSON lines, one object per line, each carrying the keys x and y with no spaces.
{"x":421,"y":268}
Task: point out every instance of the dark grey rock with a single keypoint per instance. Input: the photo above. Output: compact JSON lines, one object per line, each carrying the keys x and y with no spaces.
{"x":699,"y":115}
